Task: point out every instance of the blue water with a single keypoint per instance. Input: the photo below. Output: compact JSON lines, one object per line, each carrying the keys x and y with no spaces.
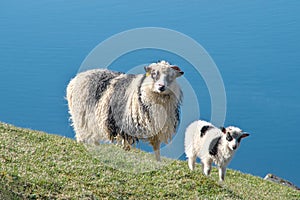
{"x":254,"y":44}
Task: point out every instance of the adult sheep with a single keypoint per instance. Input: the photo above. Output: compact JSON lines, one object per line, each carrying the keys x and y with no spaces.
{"x":104,"y":105}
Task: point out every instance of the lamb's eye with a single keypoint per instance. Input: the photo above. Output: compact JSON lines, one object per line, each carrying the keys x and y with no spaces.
{"x":229,"y":137}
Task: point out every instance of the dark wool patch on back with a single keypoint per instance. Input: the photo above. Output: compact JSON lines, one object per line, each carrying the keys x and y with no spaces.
{"x":98,"y":84}
{"x":213,"y":146}
{"x":204,"y":129}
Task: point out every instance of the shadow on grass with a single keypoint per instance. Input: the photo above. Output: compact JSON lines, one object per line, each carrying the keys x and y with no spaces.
{"x":133,"y":161}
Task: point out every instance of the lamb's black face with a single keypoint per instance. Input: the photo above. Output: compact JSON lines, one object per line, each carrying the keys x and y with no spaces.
{"x":234,"y":136}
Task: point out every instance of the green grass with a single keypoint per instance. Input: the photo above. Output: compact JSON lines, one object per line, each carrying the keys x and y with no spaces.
{"x":36,"y":165}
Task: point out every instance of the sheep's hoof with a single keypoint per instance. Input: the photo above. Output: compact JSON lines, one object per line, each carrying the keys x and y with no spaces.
{"x":221,"y":181}
{"x":126,"y":148}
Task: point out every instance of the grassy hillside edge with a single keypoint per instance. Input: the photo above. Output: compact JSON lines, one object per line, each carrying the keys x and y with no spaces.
{"x":36,"y":165}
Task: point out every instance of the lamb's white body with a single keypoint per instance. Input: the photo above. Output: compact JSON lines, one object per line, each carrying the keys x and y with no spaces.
{"x":211,"y":144}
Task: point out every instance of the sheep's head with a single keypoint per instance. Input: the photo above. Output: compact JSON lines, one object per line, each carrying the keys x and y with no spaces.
{"x":233,"y":135}
{"x":162,"y":76}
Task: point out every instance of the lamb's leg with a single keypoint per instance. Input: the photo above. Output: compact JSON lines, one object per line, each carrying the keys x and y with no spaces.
{"x":206,"y":166}
{"x":192,"y":161}
{"x":222,"y":172}
{"x":156,"y":147}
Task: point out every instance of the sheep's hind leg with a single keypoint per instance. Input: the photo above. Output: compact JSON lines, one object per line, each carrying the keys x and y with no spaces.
{"x":206,"y":166}
{"x":192,"y":161}
{"x":126,"y":145}
{"x":222,"y":172}
{"x":126,"y":142}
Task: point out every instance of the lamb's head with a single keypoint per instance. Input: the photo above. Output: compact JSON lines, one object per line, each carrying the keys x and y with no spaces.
{"x":233,"y":136}
{"x":162,"y":75}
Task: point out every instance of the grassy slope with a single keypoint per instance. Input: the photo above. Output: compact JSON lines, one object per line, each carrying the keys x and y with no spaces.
{"x":35,"y":165}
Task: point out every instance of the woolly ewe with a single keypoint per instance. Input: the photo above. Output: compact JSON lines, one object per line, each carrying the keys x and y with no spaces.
{"x":105,"y":105}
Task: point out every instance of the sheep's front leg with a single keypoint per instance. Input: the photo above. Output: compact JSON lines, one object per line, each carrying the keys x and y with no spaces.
{"x":222,"y":172}
{"x":206,"y":166}
{"x":157,"y":152}
{"x":156,"y":147}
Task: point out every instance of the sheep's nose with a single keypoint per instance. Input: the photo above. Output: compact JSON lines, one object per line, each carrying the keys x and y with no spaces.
{"x":162,"y":88}
{"x":234,"y":147}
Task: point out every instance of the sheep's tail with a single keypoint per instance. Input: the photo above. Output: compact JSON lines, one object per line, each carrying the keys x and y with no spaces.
{"x":69,"y":95}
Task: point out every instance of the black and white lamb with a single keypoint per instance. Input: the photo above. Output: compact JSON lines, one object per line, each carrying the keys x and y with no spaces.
{"x":211,"y":144}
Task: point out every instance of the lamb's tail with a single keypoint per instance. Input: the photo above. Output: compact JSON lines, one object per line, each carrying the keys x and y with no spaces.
{"x":189,"y":139}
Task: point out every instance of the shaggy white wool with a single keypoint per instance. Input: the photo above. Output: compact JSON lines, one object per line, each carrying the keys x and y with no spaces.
{"x":149,"y":107}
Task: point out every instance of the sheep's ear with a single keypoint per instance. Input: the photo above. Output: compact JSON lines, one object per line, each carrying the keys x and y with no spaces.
{"x":178,"y":70}
{"x":223,"y":129}
{"x":244,"y":135}
{"x":148,"y":70}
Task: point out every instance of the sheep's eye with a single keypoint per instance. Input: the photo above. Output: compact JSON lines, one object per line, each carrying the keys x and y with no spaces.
{"x":229,"y":137}
{"x":155,"y":75}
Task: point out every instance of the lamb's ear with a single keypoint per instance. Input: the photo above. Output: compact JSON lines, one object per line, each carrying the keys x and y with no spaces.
{"x":244,"y":135}
{"x":223,"y":129}
{"x":178,"y":70}
{"x":148,"y":70}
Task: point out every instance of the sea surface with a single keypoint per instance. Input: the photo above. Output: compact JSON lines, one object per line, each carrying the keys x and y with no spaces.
{"x":254,"y":46}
